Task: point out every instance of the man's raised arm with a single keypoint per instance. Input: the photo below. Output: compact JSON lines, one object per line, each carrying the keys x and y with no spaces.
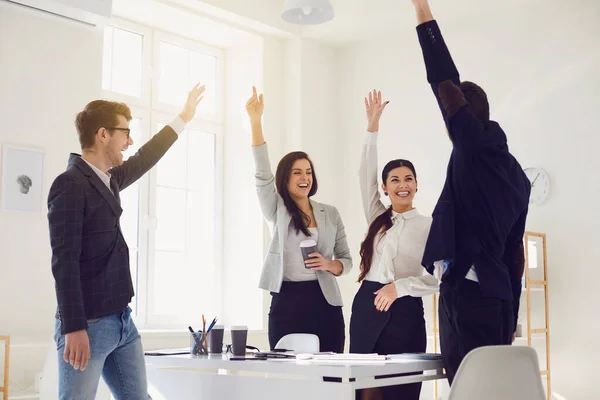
{"x":438,"y":62}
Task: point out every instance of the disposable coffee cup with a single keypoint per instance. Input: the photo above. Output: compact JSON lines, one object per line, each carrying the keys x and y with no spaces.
{"x":308,"y":247}
{"x":215,"y":339}
{"x":239,"y":336}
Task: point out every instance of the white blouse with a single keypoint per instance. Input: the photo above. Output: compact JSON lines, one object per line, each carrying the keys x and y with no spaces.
{"x":398,"y":253}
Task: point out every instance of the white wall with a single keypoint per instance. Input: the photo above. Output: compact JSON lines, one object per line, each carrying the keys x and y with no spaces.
{"x":539,"y":68}
{"x":242,"y":254}
{"x":49,"y":69}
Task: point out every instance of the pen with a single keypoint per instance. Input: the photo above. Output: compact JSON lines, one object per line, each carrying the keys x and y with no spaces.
{"x":204,"y":332}
{"x":214,"y":321}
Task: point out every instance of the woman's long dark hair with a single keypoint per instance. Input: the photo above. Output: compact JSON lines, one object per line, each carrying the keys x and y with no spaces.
{"x":380,"y":224}
{"x":282,"y":177}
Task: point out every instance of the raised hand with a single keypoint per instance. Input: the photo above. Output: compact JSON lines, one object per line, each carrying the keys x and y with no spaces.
{"x":194,"y":98}
{"x":374,"y":106}
{"x":423,"y":11}
{"x":255,"y":107}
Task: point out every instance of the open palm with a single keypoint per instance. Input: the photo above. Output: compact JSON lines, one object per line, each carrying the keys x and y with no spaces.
{"x":374,"y":106}
{"x":194,"y":98}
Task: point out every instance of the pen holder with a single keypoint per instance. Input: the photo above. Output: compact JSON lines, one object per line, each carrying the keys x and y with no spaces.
{"x":198,"y":344}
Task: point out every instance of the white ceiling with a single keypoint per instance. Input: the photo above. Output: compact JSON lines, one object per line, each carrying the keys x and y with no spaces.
{"x":357,"y":20}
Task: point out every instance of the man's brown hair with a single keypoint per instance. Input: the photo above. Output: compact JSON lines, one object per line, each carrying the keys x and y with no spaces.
{"x":98,"y":114}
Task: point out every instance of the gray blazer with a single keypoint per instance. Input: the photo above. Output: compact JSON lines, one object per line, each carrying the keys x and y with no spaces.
{"x":331,"y":242}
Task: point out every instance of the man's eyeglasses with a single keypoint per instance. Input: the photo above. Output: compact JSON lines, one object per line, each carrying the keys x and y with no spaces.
{"x":126,"y":130}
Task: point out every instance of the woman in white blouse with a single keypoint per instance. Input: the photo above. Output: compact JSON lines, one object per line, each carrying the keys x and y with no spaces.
{"x":305,"y":295}
{"x":387,"y":312}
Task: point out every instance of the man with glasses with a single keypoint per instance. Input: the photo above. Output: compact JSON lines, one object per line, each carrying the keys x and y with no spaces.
{"x":94,"y":332}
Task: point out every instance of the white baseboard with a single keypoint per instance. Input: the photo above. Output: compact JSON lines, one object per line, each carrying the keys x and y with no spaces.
{"x":24,"y":396}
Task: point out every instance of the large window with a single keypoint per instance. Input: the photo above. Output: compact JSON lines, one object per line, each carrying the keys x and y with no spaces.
{"x":170,"y":219}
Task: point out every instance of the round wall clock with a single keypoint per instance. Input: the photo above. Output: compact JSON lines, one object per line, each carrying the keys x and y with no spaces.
{"x":540,"y":184}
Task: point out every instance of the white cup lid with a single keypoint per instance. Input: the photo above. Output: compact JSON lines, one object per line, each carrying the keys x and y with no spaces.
{"x":308,"y":243}
{"x":218,"y":327}
{"x":239,"y":328}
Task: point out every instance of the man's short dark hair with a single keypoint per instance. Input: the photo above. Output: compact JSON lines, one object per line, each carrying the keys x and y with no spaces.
{"x":98,"y":114}
{"x":477,"y":99}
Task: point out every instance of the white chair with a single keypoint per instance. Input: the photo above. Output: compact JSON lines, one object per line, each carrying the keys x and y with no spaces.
{"x":498,"y":373}
{"x":300,"y":343}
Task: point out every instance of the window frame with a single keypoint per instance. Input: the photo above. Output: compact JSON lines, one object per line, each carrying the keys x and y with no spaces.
{"x":151,"y":112}
{"x":161,"y":36}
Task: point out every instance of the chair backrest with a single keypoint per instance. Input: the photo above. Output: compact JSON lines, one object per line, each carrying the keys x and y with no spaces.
{"x":4,"y":387}
{"x":300,"y":343}
{"x":498,"y":373}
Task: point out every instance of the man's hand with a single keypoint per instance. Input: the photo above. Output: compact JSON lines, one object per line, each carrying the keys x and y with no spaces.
{"x":374,"y":106}
{"x":77,"y":349}
{"x":423,"y":11}
{"x":194,"y":98}
{"x":255,"y":107}
{"x":385,"y":297}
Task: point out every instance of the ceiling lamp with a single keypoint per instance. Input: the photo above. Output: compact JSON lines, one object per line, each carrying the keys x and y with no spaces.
{"x":307,"y":12}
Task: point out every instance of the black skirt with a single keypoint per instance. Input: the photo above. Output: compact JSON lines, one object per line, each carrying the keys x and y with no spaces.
{"x":399,"y":330}
{"x":300,"y":307}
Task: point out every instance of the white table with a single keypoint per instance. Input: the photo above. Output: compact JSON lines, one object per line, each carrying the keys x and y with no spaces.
{"x":183,"y":377}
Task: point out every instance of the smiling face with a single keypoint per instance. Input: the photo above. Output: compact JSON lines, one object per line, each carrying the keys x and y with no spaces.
{"x":115,"y":141}
{"x":401,"y":186}
{"x":300,"y":179}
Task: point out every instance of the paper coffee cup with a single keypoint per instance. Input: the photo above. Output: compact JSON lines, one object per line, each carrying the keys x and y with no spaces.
{"x":215,"y":339}
{"x":239,"y":336}
{"x":308,"y":247}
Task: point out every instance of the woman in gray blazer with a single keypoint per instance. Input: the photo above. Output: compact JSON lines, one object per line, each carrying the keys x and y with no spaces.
{"x":305,"y":295}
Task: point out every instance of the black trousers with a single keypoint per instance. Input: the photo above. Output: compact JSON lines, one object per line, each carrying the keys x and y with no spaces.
{"x":468,"y":320}
{"x":300,"y":307}
{"x":399,"y":330}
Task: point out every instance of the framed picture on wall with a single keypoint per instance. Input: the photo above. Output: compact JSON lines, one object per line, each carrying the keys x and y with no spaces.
{"x":22,"y":172}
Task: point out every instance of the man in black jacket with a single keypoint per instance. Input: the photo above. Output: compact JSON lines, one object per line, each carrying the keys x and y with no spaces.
{"x":476,"y":237}
{"x":94,"y":332}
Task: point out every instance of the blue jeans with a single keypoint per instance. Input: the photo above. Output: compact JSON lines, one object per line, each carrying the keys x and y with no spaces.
{"x":116,"y":354}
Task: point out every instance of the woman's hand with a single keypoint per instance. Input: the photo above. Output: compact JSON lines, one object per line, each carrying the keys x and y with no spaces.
{"x":317,"y":262}
{"x":374,"y":106}
{"x":255,"y":107}
{"x":385,"y":297}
